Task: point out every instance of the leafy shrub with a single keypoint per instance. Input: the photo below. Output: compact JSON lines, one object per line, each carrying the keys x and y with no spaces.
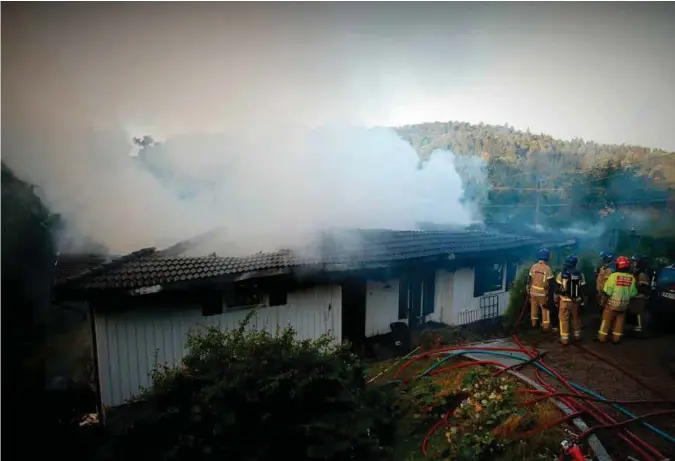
{"x":427,"y":399}
{"x":587,"y":265}
{"x":516,"y":298}
{"x":256,"y":396}
{"x":478,"y":426}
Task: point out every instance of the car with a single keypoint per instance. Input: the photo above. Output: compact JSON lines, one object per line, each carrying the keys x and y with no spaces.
{"x":662,"y":305}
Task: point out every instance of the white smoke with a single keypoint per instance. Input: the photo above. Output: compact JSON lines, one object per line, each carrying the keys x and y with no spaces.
{"x":266,"y":188}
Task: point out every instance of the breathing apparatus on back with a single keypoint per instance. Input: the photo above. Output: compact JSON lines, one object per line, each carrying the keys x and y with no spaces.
{"x":571,"y":279}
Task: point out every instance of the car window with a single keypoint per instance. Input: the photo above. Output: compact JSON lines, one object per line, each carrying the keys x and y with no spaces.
{"x":665,"y":276}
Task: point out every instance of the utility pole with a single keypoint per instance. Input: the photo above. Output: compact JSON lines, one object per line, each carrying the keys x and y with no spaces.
{"x":536,"y":209}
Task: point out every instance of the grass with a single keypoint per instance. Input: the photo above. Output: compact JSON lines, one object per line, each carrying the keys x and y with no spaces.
{"x":412,"y":431}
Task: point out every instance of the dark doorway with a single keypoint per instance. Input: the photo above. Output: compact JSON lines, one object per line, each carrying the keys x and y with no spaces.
{"x":416,"y":296}
{"x":354,"y":312}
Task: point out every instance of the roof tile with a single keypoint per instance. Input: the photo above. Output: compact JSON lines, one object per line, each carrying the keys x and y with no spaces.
{"x":374,"y":247}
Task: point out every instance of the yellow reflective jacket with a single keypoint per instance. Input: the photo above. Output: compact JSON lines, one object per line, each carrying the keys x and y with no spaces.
{"x":540,"y":276}
{"x":620,"y":288}
{"x":603,"y":274}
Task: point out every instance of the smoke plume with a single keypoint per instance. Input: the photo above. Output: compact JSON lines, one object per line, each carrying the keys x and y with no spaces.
{"x":264,"y":189}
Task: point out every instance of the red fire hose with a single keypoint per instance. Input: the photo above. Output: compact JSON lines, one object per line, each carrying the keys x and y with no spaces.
{"x":571,"y":399}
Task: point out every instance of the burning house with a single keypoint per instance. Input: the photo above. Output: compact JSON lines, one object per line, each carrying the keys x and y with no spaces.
{"x":144,"y":304}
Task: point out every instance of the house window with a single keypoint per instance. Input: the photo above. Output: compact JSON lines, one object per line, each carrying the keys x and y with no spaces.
{"x":488,"y":278}
{"x":212,"y":303}
{"x":212,"y":308}
{"x":278,"y":297}
{"x":242,"y":295}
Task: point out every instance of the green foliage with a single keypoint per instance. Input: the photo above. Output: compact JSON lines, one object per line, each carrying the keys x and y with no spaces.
{"x":655,"y":248}
{"x":26,"y":224}
{"x":426,"y":399}
{"x":256,"y":396}
{"x":473,"y":431}
{"x":587,"y":265}
{"x":579,"y":180}
{"x":516,"y":298}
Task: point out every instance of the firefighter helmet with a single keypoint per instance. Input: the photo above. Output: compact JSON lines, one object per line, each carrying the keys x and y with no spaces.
{"x":571,"y":261}
{"x":622,"y":262}
{"x":606,"y":256}
{"x":543,"y":254}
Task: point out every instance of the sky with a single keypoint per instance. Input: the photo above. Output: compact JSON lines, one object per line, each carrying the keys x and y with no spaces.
{"x":601,"y":71}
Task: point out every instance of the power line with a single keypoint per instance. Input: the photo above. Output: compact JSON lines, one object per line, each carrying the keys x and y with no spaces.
{"x":555,"y":205}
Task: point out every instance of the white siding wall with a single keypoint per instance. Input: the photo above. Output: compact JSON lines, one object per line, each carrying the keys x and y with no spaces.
{"x":381,"y":306}
{"x":132,"y":342}
{"x":443,"y":304}
{"x":463,"y":300}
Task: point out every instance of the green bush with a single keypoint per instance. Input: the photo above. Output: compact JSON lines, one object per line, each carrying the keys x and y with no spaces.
{"x":516,"y":298}
{"x":587,"y":265}
{"x":255,"y":396}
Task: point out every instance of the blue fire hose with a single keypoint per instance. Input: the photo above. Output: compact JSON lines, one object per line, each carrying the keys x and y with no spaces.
{"x":451,"y":355}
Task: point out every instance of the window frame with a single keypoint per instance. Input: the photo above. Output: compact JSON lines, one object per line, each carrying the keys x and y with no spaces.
{"x":484,"y":266}
{"x":230,"y":294}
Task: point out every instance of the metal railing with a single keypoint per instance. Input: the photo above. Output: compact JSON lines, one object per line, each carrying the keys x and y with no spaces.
{"x":486,"y":317}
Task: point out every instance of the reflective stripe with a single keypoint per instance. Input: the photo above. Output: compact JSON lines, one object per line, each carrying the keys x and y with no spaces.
{"x":617,"y":334}
{"x":617,"y":303}
{"x":600,"y":332}
{"x":577,"y":333}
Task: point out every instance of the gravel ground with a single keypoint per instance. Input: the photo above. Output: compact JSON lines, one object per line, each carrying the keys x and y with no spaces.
{"x":651,"y":359}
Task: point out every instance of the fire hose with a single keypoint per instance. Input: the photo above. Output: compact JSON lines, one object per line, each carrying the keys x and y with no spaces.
{"x":571,"y":399}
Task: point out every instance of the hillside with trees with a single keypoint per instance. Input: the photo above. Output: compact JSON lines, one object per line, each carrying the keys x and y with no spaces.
{"x":536,"y":178}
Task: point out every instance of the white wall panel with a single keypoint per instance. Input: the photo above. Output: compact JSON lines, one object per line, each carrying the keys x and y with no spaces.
{"x":381,"y":306}
{"x":131,"y":343}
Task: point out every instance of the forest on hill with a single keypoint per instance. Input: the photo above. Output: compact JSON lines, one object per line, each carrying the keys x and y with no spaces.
{"x":539,"y":179}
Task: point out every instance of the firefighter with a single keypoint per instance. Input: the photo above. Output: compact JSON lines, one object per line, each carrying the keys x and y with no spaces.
{"x":540,"y":286}
{"x":602,"y":273}
{"x":638,"y":304}
{"x":619,"y":289}
{"x":570,"y":285}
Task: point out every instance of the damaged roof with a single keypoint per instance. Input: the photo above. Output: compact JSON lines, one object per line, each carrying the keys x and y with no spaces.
{"x":344,"y":250}
{"x":73,"y":266}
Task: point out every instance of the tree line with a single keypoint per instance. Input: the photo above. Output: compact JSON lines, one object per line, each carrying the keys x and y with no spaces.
{"x":537,"y":178}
